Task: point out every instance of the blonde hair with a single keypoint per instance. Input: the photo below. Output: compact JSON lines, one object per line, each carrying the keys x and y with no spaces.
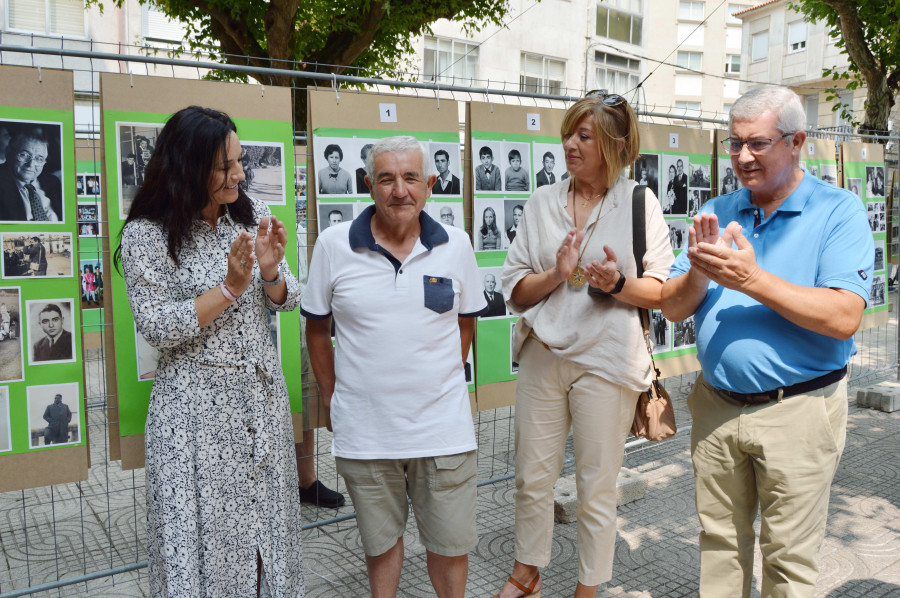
{"x":615,"y":128}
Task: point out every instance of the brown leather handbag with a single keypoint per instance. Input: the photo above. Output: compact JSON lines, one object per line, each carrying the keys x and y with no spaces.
{"x":654,"y":416}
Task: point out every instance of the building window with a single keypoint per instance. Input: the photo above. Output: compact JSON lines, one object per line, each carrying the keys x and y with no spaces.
{"x":733,"y":8}
{"x":733,"y":63}
{"x":616,"y":73}
{"x":687,"y":108}
{"x":540,"y":74}
{"x":811,"y":103}
{"x":690,"y":34}
{"x":157,"y":26}
{"x":692,"y":11}
{"x":620,"y":20}
{"x":690,"y":60}
{"x":450,"y":61}
{"x":48,"y":17}
{"x":759,"y":46}
{"x":796,"y":36}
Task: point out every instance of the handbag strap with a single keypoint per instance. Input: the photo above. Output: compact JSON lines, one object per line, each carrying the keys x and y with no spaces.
{"x":639,"y":244}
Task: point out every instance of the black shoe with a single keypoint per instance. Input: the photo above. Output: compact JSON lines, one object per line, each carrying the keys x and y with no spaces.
{"x":320,"y":495}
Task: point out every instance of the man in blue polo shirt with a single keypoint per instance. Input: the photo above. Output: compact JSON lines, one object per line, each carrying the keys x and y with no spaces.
{"x":403,"y":291}
{"x":777,"y":295}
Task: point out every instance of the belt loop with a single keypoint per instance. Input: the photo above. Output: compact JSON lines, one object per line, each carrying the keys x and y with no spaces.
{"x":780,"y":394}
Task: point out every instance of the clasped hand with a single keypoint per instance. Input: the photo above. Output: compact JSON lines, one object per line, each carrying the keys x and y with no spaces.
{"x":268,"y":250}
{"x":713,"y":257}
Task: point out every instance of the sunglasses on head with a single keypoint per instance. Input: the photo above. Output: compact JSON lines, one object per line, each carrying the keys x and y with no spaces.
{"x":608,"y":99}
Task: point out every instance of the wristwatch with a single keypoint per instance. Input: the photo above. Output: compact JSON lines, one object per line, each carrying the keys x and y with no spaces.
{"x":619,"y":284}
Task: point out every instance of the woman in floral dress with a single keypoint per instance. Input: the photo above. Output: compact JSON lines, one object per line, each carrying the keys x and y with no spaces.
{"x":202,"y":263}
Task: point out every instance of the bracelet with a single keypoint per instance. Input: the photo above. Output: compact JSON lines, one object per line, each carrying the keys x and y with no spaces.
{"x":227,"y":292}
{"x":271,"y":283}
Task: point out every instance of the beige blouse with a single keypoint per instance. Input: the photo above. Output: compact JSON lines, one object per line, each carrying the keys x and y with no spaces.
{"x":601,"y":334}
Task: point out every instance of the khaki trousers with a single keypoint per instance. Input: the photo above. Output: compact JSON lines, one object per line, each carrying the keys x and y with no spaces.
{"x":780,"y":457}
{"x":553,"y":395}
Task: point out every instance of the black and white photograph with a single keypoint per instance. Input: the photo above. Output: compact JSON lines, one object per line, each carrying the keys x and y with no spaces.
{"x":446,"y":212}
{"x":335,"y":213}
{"x":877,"y":295}
{"x":360,"y":186}
{"x":135,"y":142}
{"x":446,"y":162}
{"x":683,"y":333}
{"x":37,"y":255}
{"x":699,"y":176}
{"x":147,"y":357}
{"x":31,"y":172}
{"x":469,"y":367}
{"x":512,"y":217}
{"x":828,"y":173}
{"x":513,"y":365}
{"x":333,"y":175}
{"x":696,"y":199}
{"x":814,"y":170}
{"x":5,"y":427}
{"x":855,"y":187}
{"x":674,"y":188}
{"x":53,"y":415}
{"x":678,"y":233}
{"x":263,"y":163}
{"x":91,"y":272}
{"x":874,"y":181}
{"x":728,"y":180}
{"x":879,"y":256}
{"x":548,"y":163}
{"x":488,"y":159}
{"x":646,"y":172}
{"x":487,"y":228}
{"x":876,"y":212}
{"x":79,"y":185}
{"x":92,"y":185}
{"x":49,"y":332}
{"x":493,"y":294}
{"x":516,"y":170}
{"x":659,"y":332}
{"x":12,"y":363}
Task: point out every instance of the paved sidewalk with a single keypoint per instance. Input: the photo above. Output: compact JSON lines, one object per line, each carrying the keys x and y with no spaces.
{"x":656,"y":549}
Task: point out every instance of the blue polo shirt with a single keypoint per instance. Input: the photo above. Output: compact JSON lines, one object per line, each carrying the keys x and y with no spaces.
{"x":819,"y":237}
{"x":400,"y":388}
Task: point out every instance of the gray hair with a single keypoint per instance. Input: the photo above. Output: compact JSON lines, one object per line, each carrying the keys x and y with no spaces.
{"x":784,"y":102}
{"x":400,"y":143}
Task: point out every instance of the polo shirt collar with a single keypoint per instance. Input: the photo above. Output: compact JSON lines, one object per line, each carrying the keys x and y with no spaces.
{"x":795,"y":202}
{"x":361,"y":236}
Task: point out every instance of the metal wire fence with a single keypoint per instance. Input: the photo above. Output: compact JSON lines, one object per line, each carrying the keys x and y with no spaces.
{"x":88,"y":537}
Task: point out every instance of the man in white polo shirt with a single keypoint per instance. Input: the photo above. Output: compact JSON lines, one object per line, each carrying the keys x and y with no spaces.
{"x":403,"y":291}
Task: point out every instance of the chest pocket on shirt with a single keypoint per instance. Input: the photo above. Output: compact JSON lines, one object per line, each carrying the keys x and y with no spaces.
{"x":438,"y":293}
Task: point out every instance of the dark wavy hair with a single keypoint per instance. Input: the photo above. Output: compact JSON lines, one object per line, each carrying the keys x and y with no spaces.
{"x":176,"y":180}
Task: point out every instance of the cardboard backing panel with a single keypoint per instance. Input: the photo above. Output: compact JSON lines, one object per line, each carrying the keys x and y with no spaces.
{"x":45,"y":88}
{"x":144,"y":94}
{"x":43,"y":468}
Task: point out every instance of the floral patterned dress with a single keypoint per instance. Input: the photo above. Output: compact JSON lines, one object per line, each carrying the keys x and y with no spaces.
{"x":221,"y":476}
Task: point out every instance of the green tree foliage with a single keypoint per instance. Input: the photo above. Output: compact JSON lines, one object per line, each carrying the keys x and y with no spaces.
{"x":373,"y":35}
{"x":868,"y":32}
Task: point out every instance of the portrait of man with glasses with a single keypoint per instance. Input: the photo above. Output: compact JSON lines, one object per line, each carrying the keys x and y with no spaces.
{"x":30,"y":189}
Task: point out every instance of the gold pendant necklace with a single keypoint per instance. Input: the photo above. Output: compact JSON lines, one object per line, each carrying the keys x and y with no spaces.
{"x":578,"y":278}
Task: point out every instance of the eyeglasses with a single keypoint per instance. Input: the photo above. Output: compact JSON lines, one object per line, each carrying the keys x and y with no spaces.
{"x":608,"y":99}
{"x":757,"y":145}
{"x":24,"y":156}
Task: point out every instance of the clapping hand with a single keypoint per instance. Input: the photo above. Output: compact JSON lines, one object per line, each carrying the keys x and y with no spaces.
{"x":567,"y":255}
{"x":713,"y":256}
{"x":603,"y":275}
{"x":240,"y":264}
{"x":269,"y":248}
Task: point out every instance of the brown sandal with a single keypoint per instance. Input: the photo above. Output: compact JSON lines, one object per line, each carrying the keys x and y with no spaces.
{"x":529,"y":590}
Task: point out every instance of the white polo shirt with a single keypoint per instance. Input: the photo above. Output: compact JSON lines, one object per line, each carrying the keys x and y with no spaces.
{"x":400,"y":389}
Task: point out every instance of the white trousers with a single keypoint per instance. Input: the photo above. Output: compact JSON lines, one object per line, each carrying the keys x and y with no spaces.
{"x":552,"y":396}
